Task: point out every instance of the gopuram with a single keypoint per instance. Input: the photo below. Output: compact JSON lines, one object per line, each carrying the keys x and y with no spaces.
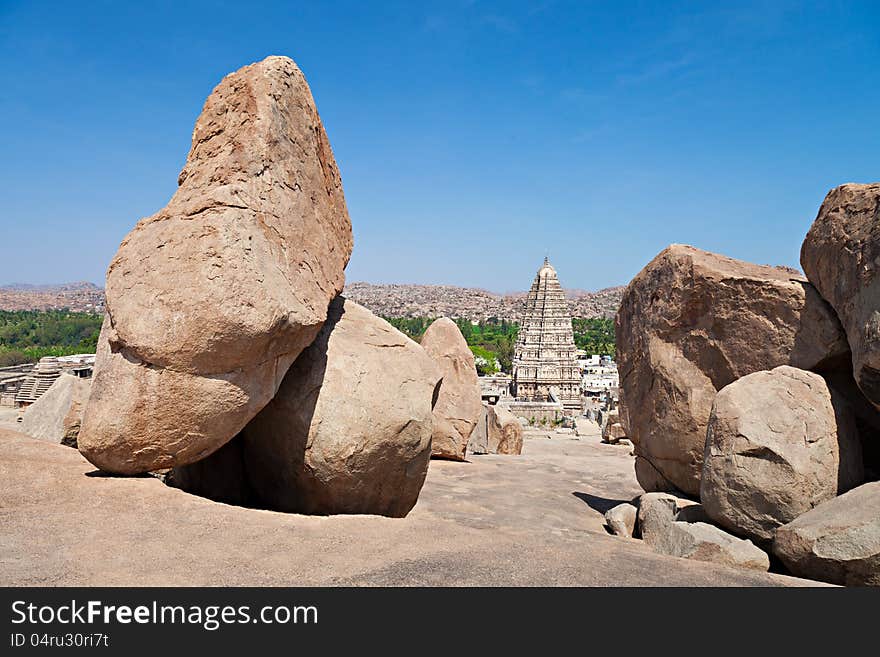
{"x":546,"y":377}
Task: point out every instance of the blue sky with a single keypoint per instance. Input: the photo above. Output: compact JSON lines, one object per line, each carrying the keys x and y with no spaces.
{"x":472,"y":137}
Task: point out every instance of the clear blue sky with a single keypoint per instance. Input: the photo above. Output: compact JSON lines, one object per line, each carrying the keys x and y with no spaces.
{"x":472,"y":136}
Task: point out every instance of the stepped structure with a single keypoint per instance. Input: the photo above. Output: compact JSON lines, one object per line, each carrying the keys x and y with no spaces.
{"x":38,"y":381}
{"x":545,"y":368}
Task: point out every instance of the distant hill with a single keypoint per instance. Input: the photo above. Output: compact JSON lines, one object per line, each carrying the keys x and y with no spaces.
{"x":401,"y":300}
{"x":80,"y":297}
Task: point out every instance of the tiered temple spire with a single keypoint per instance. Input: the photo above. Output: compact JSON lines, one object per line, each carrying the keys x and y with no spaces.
{"x":545,"y":355}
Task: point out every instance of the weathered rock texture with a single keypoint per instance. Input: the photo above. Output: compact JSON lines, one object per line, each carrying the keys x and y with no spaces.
{"x":841,"y":257}
{"x":779,"y":443}
{"x":505,"y":433}
{"x":459,"y":404}
{"x":57,"y":415}
{"x":210,"y":300}
{"x":672,"y":526}
{"x":621,"y":520}
{"x":348,"y":432}
{"x":838,"y":541}
{"x":692,"y":322}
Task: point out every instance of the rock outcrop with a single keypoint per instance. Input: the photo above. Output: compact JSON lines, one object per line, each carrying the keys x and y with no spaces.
{"x":505,"y":432}
{"x":841,"y":257}
{"x":836,"y":542}
{"x":348,"y":432}
{"x":779,"y":443}
{"x":211,"y":299}
{"x":57,"y":415}
{"x":459,"y":404}
{"x":692,"y":322}
{"x":670,"y":525}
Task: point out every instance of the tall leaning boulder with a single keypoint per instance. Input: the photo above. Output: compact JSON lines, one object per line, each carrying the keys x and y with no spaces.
{"x":841,"y":257}
{"x":692,"y":322}
{"x":779,"y":443}
{"x":459,"y":404}
{"x":348,"y":432}
{"x":211,"y":299}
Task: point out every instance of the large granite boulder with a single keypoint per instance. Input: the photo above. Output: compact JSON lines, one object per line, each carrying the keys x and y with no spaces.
{"x":505,"y":431}
{"x":211,"y":299}
{"x":837,"y":541}
{"x":57,"y":415}
{"x":841,"y":257}
{"x":348,"y":432}
{"x":674,"y":526}
{"x":690,"y":323}
{"x":779,"y":443}
{"x":459,"y":404}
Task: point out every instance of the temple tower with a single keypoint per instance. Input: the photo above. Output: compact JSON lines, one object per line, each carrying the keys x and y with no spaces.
{"x":544,"y":365}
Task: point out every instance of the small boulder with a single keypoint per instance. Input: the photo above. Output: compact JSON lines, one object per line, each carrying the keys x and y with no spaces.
{"x":348,"y":432}
{"x":478,"y":443}
{"x":837,"y":541}
{"x":778,"y":444}
{"x":621,"y":520}
{"x":211,"y":299}
{"x":505,"y":431}
{"x":674,"y":526}
{"x":459,"y":404}
{"x":841,"y":257}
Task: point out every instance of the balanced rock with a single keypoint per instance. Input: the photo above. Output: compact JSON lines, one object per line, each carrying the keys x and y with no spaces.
{"x":621,"y":520}
{"x":348,"y":432}
{"x":837,"y":541}
{"x":505,"y":431}
{"x":673,"y":526}
{"x":459,"y":403}
{"x":779,"y":443}
{"x":690,"y":323}
{"x":841,"y":257}
{"x":57,"y":415}
{"x":210,"y":300}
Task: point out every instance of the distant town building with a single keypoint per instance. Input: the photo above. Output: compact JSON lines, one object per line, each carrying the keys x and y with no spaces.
{"x":545,"y":368}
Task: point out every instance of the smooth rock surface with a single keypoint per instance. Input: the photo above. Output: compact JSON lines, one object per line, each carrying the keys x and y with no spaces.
{"x":841,"y":257}
{"x":690,"y":323}
{"x":211,"y":299}
{"x":779,"y":443}
{"x":459,"y":404}
{"x":57,"y":415}
{"x":135,"y":531}
{"x":837,"y":541}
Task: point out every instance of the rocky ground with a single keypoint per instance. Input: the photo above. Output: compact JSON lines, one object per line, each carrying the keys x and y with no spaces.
{"x":533,"y":520}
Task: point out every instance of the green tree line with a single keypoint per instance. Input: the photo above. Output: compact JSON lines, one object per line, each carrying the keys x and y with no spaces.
{"x":495,"y":339}
{"x":28,"y":335}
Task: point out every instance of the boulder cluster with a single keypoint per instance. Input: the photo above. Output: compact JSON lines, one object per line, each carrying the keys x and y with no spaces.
{"x":756,"y":390}
{"x":228,"y":354}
